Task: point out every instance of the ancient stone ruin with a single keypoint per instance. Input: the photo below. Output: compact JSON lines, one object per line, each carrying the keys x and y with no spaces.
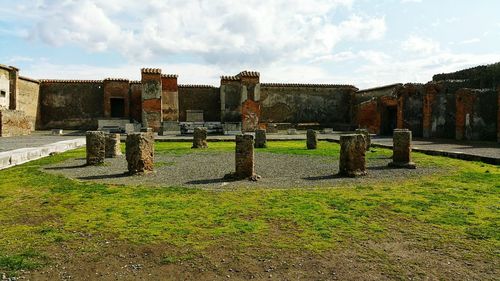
{"x":140,"y":153}
{"x":95,"y":146}
{"x":312,"y":139}
{"x":352,"y":155}
{"x":260,"y":138}
{"x":367,"y":137}
{"x":200,"y":138}
{"x":401,"y":157}
{"x":112,"y":145}
{"x":244,"y":159}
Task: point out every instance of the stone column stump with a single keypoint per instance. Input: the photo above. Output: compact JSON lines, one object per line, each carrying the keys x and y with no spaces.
{"x":352,"y":155}
{"x":112,"y":146}
{"x":260,"y":139}
{"x":200,"y":138}
{"x":244,"y":159}
{"x":366,"y":134}
{"x":95,"y":146}
{"x":312,"y":139}
{"x":139,"y":152}
{"x":401,"y":157}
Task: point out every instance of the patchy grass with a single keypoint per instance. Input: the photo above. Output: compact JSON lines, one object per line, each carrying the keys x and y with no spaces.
{"x":458,"y":208}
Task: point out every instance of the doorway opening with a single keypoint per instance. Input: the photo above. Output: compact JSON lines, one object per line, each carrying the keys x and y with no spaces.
{"x":117,"y":107}
{"x":389,"y":120}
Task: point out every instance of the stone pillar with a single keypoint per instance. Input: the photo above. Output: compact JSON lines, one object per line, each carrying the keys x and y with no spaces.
{"x":245,"y":166}
{"x":14,"y":87}
{"x":312,"y":139}
{"x":260,"y":139}
{"x":151,"y":98}
{"x":140,"y":152}
{"x":200,"y":138}
{"x":352,"y":155}
{"x":367,"y":137}
{"x":95,"y":145}
{"x":401,"y":157}
{"x":113,"y":146}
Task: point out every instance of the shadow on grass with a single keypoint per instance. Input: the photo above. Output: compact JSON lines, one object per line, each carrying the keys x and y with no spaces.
{"x":326,"y":177}
{"x":67,"y":167}
{"x":209,"y":181}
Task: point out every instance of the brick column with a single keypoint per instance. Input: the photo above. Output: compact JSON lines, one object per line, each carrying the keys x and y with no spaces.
{"x":169,"y":97}
{"x":14,"y":87}
{"x":352,"y":155}
{"x":95,"y":147}
{"x":401,"y":157}
{"x":151,"y":98}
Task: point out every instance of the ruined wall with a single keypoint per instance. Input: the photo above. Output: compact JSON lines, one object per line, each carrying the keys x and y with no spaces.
{"x":4,"y":87}
{"x":116,"y":89}
{"x":368,"y":116}
{"x":200,"y":97}
{"x":135,"y":101}
{"x":14,"y":123}
{"x":28,"y":97}
{"x":476,"y":114}
{"x":479,"y":77}
{"x":231,"y":99}
{"x":71,"y":104}
{"x":170,"y":98}
{"x":412,"y":102}
{"x":151,"y":98}
{"x":329,"y":105}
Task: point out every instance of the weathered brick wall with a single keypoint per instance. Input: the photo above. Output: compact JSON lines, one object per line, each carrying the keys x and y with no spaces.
{"x":71,"y":104}
{"x":199,"y":97}
{"x":368,"y":116}
{"x":151,"y":98}
{"x":231,"y":99}
{"x":28,"y":97}
{"x":412,"y":101}
{"x":4,"y":87}
{"x":136,"y":101}
{"x":116,"y":88}
{"x":329,"y":105}
{"x":14,"y":123}
{"x":476,"y":115}
{"x":170,"y":98}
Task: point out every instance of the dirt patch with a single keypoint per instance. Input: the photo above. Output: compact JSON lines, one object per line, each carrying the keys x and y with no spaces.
{"x":207,"y":170}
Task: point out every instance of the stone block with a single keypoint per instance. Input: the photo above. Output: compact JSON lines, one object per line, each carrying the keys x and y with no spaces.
{"x":95,"y":141}
{"x":200,"y":138}
{"x":292,"y":131}
{"x":129,"y":128}
{"x":140,"y":153}
{"x":4,"y":160}
{"x":169,"y":128}
{"x":231,"y":128}
{"x":352,"y":155}
{"x":367,"y":137}
{"x":272,"y":128}
{"x":19,"y":156}
{"x":260,"y":139}
{"x":57,"y":132}
{"x":113,"y":148}
{"x":312,"y":139}
{"x":327,"y":131}
{"x":194,"y":116}
{"x":401,"y":157}
{"x":244,"y":157}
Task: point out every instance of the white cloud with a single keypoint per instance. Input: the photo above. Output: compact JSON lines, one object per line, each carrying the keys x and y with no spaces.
{"x":470,"y":41}
{"x":219,"y":31}
{"x":411,"y":1}
{"x":420,"y":45}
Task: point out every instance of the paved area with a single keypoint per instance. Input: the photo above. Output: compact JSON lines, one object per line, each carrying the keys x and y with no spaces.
{"x":38,"y":138}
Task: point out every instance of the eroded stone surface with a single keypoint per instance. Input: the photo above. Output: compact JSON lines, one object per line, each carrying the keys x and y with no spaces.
{"x":95,"y":146}
{"x":200,"y":138}
{"x":244,"y":158}
{"x":401,"y":157}
{"x":352,"y":155}
{"x":367,"y":137}
{"x":312,"y":139}
{"x":112,"y":146}
{"x":140,"y":152}
{"x":260,"y":139}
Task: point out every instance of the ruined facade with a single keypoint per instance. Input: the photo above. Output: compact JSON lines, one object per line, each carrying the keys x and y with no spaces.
{"x":461,"y":105}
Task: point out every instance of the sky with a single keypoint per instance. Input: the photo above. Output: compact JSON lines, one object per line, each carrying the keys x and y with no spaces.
{"x":366,"y":43}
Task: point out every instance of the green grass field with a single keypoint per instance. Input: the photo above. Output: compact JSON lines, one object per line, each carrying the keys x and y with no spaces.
{"x":456,"y":210}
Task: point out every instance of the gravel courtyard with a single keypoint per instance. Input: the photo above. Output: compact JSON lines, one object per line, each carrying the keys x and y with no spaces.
{"x":206,"y":170}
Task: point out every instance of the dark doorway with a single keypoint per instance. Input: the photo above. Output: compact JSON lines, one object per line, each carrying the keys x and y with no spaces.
{"x":389,"y":120}
{"x":117,"y":107}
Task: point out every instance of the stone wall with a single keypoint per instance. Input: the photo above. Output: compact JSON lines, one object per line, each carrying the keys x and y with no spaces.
{"x":136,"y":101}
{"x":151,"y":98}
{"x":71,"y":104}
{"x":476,"y":114}
{"x":116,"y":89}
{"x":14,"y":123}
{"x":28,"y":98}
{"x":329,"y":105}
{"x":170,"y":98}
{"x":200,"y":97}
{"x":4,"y":87}
{"x":411,"y":96}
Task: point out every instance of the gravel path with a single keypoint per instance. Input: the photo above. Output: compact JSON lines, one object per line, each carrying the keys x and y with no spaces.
{"x":206,"y":170}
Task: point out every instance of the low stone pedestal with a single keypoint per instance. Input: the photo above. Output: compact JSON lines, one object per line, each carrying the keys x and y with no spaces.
{"x":140,"y":152}
{"x":95,"y":146}
{"x":200,"y":138}
{"x":112,"y":146}
{"x":260,"y":139}
{"x":312,"y":139}
{"x":367,"y":137}
{"x":352,"y":155}
{"x":57,"y":132}
{"x":244,"y":159}
{"x":401,"y":157}
{"x":169,"y":128}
